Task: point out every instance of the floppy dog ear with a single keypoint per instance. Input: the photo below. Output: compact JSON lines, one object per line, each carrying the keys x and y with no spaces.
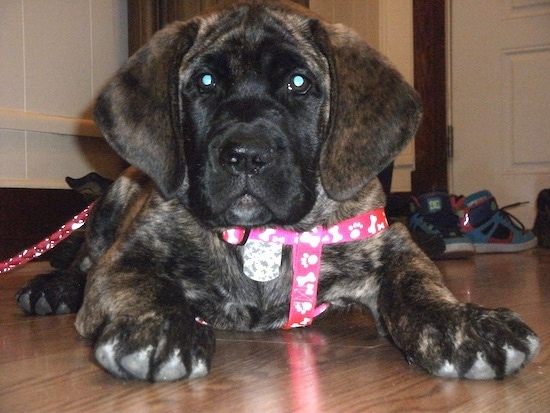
{"x":374,"y":112}
{"x":138,"y":110}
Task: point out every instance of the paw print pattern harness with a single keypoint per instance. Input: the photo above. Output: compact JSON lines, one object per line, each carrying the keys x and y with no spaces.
{"x":262,"y":257}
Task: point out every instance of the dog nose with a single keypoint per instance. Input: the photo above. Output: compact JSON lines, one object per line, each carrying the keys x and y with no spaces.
{"x":246,"y":155}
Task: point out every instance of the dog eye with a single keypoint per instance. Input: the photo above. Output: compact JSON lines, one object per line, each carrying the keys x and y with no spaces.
{"x":206,"y":82}
{"x":299,"y":84}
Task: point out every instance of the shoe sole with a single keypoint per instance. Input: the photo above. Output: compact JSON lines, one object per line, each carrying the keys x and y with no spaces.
{"x":487,"y":248}
{"x":457,"y":251}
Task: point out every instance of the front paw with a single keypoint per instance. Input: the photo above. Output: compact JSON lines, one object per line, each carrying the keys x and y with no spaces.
{"x":58,"y":292}
{"x":156,"y":349}
{"x":474,"y":343}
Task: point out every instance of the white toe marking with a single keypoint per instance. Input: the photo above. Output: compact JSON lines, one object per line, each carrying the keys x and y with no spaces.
{"x":514,"y":359}
{"x":138,"y":363}
{"x":198,"y":369}
{"x":481,"y":370}
{"x":447,"y":370}
{"x":105,"y":355}
{"x":534,"y":346}
{"x":42,"y":306}
{"x":63,"y":309}
{"x":25,"y":302}
{"x":171,"y":369}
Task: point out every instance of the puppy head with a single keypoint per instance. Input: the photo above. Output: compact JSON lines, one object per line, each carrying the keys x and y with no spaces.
{"x":239,"y":113}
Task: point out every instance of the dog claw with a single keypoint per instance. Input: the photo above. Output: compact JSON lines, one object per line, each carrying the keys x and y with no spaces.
{"x":172,"y":369}
{"x":136,"y":364}
{"x":130,"y":358}
{"x":63,"y":308}
{"x":59,"y":292}
{"x":42,"y":307}
{"x":24,"y":302}
{"x":517,"y":346}
{"x":483,"y":370}
{"x":106,"y":356}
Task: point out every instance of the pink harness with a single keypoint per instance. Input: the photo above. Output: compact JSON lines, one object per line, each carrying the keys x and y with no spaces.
{"x":306,"y":256}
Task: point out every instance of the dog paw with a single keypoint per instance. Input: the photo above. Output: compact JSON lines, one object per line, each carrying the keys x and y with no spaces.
{"x":476,"y":343}
{"x":59,"y":292}
{"x":156,"y":350}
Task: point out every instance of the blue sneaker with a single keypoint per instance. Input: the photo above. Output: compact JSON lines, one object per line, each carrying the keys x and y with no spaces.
{"x":490,"y":228}
{"x":432,"y":213}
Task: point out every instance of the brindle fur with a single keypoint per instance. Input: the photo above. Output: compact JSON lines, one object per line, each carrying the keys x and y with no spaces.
{"x":154,"y":258}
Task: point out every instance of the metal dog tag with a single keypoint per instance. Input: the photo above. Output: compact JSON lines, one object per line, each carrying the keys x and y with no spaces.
{"x":262,"y":260}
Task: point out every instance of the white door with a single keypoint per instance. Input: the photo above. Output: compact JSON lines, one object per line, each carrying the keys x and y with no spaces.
{"x":500,"y":100}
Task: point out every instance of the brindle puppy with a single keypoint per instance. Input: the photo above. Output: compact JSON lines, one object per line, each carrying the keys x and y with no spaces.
{"x":258,"y":115}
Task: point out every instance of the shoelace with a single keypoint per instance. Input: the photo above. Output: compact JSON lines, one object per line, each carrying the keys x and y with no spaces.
{"x":511,"y":218}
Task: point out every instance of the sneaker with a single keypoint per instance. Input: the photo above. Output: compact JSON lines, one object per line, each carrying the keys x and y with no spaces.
{"x":433,"y":215}
{"x":491,"y":229}
{"x":542,"y":222}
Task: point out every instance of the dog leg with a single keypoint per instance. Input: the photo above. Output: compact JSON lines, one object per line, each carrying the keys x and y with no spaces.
{"x":442,"y":335}
{"x":143,"y":328}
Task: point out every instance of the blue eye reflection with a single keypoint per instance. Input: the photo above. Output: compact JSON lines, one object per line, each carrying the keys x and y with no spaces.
{"x":298,"y":81}
{"x":299,"y":84}
{"x":206,"y":82}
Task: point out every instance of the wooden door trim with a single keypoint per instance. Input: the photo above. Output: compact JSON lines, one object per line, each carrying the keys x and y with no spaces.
{"x":430,"y":81}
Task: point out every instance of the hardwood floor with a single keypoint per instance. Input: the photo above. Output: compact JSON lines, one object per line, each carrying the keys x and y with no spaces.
{"x":337,"y":365}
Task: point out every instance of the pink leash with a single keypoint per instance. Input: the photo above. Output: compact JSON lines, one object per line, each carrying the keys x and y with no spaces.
{"x":48,"y":243}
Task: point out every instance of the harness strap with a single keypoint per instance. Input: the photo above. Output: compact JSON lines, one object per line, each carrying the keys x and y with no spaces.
{"x":306,"y":256}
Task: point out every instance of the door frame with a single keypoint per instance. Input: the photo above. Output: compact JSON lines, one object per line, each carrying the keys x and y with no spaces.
{"x":430,"y":80}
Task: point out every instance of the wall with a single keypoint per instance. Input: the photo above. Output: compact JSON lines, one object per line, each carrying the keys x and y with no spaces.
{"x":387,"y":26}
{"x":56,"y":55}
